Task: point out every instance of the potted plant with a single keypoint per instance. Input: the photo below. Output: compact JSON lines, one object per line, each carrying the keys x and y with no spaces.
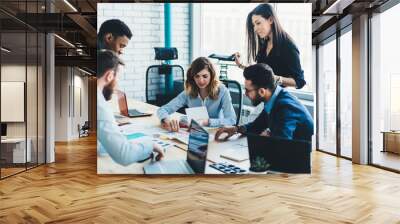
{"x":259,"y":164}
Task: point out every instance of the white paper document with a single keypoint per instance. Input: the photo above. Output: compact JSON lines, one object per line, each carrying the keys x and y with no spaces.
{"x":197,"y":113}
{"x":237,"y":154}
{"x":181,"y":136}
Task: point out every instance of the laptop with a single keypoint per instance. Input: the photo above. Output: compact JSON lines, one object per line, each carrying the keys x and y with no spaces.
{"x":196,"y":158}
{"x":282,"y":155}
{"x":123,"y":107}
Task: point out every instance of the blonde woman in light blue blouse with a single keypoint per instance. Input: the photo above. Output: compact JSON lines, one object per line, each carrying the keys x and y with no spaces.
{"x":202,"y":88}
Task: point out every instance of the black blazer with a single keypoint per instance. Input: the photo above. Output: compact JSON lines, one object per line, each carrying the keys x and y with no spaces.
{"x":284,"y":61}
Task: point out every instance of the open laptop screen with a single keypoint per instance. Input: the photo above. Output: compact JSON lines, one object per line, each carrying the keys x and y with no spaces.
{"x":123,"y":106}
{"x":197,"y":147}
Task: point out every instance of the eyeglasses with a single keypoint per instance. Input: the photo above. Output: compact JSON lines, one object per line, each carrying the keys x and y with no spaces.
{"x":247,"y":91}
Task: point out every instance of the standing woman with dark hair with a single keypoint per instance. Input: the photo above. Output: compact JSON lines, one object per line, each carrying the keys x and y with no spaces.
{"x":268,"y":43}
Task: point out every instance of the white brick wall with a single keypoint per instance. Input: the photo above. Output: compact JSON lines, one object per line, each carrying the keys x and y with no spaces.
{"x":146,"y":21}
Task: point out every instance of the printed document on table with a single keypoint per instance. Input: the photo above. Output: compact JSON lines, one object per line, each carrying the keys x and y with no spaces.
{"x":197,"y":113}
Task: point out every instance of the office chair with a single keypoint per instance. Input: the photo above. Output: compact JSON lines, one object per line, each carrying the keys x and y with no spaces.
{"x":156,"y":93}
{"x":235,"y":90}
{"x":84,"y":130}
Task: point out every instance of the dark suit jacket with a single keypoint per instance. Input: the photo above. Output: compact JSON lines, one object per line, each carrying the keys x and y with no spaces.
{"x":288,"y":119}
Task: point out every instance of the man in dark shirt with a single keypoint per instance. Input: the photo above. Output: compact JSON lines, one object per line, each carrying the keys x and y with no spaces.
{"x":113,"y":35}
{"x":283,"y":115}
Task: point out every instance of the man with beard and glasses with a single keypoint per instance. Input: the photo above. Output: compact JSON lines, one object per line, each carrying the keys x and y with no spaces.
{"x":283,"y":115}
{"x":113,"y":35}
{"x":109,"y":138}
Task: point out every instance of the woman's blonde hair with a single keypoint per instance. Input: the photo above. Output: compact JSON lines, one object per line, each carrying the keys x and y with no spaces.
{"x":190,"y":85}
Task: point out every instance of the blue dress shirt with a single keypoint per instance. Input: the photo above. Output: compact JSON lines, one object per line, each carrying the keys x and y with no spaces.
{"x":220,"y":111}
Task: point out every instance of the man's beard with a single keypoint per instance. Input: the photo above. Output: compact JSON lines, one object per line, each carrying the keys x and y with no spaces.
{"x":257,"y":100}
{"x":108,"y":90}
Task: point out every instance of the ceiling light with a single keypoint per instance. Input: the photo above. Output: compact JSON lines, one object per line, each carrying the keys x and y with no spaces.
{"x":5,"y":50}
{"x":64,"y":40}
{"x":337,"y":7}
{"x":70,"y":5}
{"x":86,"y":72}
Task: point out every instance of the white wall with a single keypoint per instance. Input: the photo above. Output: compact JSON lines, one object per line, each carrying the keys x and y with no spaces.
{"x":70,"y":83}
{"x":61,"y":104}
{"x":146,"y":21}
{"x":80,"y":98}
{"x":12,"y":73}
{"x":33,"y":127}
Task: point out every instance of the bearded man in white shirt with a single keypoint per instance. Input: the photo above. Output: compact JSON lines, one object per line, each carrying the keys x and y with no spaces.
{"x":109,"y":138}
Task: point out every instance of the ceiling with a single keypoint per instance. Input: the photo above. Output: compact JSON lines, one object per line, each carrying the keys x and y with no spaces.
{"x":76,"y":20}
{"x":333,"y":15}
{"x":73,"y":21}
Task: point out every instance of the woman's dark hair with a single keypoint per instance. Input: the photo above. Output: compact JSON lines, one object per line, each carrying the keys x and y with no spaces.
{"x":254,"y":42}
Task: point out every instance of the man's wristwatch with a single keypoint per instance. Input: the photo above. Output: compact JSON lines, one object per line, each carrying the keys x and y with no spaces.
{"x":240,"y":129}
{"x":279,"y":81}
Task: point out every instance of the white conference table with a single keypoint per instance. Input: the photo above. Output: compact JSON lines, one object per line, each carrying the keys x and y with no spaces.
{"x":151,"y":124}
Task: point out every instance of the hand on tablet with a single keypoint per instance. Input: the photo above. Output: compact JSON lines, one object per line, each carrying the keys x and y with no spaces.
{"x":223,"y":134}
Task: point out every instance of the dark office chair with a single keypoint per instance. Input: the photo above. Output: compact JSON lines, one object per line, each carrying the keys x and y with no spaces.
{"x":235,"y":90}
{"x":84,"y":130}
{"x":155,"y":83}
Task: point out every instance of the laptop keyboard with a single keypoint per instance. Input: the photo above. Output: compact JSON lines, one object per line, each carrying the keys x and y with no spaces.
{"x":227,"y":168}
{"x":134,"y":112}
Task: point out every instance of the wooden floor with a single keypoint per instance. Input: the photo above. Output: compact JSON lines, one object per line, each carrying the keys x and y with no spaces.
{"x":386,"y":159}
{"x":70,"y":191}
{"x":10,"y":171}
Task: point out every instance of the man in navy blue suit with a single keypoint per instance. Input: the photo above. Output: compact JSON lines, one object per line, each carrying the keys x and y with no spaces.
{"x":283,"y":115}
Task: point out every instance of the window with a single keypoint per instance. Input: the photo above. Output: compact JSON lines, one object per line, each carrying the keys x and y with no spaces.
{"x":385,"y":84}
{"x":224,"y":32}
{"x":327,"y":96}
{"x":22,"y":74}
{"x":346,"y":94}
